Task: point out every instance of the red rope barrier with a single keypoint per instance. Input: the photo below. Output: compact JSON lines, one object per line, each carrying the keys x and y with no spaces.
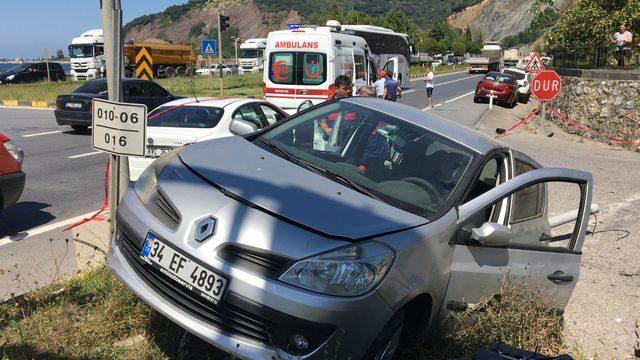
{"x":523,"y":121}
{"x":586,"y":129}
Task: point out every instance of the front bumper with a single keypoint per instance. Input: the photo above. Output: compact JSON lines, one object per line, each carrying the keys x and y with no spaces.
{"x":503,"y":96}
{"x":11,"y":187}
{"x":70,"y":117}
{"x":343,"y":327}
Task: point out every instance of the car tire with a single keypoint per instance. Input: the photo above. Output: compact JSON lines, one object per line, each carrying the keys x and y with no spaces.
{"x":476,"y":99}
{"x":171,"y":72}
{"x":526,"y":98}
{"x":180,"y":72}
{"x":387,"y":344}
{"x":79,"y":128}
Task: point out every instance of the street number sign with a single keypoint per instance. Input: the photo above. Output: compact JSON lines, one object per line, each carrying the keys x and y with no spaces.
{"x":119,"y":128}
{"x":546,"y":85}
{"x":535,"y":64}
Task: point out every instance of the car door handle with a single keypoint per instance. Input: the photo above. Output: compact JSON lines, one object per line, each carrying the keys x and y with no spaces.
{"x":560,"y":277}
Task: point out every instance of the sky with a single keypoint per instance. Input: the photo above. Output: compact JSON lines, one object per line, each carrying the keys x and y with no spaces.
{"x":27,"y":27}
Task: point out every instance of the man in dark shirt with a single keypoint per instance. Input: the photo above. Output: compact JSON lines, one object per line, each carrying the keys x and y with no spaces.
{"x":391,"y":88}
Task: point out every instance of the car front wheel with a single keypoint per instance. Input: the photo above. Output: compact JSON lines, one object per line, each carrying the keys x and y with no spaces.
{"x":387,"y":344}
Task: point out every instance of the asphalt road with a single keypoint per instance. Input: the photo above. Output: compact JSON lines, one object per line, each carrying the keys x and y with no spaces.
{"x":65,"y":175}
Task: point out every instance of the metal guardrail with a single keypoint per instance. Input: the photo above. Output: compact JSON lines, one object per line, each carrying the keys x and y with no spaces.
{"x":590,"y":56}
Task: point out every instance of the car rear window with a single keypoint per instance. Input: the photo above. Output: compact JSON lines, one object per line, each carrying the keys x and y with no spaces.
{"x":297,"y":68}
{"x":498,"y":77}
{"x":185,"y":116}
{"x":518,"y":75}
{"x":92,"y":87}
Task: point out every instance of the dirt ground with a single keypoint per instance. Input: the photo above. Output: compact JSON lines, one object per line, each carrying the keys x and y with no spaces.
{"x":603,"y":315}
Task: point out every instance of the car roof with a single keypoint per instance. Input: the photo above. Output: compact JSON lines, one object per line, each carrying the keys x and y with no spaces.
{"x":210,"y":101}
{"x":515,"y":69}
{"x":446,"y":128}
{"x":124,"y":80}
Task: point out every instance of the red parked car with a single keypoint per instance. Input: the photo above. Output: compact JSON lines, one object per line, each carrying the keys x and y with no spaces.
{"x":11,"y":175}
{"x":504,"y":86}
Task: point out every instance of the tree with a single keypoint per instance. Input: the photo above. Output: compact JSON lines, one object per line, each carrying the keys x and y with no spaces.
{"x":429,"y":45}
{"x":459,"y":47}
{"x":59,"y":54}
{"x":444,"y":45}
{"x":467,"y":34}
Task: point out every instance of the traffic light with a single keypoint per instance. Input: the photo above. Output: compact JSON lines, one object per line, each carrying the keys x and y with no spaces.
{"x":224,"y":22}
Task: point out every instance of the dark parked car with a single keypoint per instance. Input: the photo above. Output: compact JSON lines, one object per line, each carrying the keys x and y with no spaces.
{"x":75,"y":109}
{"x":504,"y":87}
{"x":11,"y":175}
{"x":32,"y":72}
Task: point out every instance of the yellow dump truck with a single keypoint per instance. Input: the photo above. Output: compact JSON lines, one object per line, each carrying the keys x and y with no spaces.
{"x":169,"y":60}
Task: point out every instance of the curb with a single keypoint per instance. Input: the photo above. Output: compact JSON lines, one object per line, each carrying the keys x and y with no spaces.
{"x":480,"y":121}
{"x":24,"y":103}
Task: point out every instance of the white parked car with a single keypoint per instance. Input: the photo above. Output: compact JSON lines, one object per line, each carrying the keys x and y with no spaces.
{"x":186,"y":121}
{"x":524,"y":82}
{"x":226,"y":70}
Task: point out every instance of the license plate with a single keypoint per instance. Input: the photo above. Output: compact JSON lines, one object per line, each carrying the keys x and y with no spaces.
{"x":72,"y":105}
{"x":183,"y":270}
{"x":153,"y":151}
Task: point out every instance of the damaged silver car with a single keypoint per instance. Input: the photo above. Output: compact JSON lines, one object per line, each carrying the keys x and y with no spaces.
{"x":344,"y":229}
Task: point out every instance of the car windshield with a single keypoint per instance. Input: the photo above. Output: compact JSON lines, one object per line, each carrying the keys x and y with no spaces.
{"x":498,"y":77}
{"x":80,"y":51}
{"x":16,"y":69}
{"x":191,"y":116}
{"x":248,"y":53}
{"x":92,"y":87}
{"x":381,"y":156}
{"x":518,"y":75}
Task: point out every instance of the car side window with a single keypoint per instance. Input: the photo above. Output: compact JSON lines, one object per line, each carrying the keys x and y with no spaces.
{"x":155,"y":90}
{"x":271,"y":114}
{"x":528,"y":203}
{"x":134,"y":89}
{"x":249,"y":113}
{"x":493,"y":174}
{"x":43,"y":67}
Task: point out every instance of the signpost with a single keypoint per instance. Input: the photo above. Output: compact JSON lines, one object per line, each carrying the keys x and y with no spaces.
{"x":535,"y":64}
{"x":545,"y":86}
{"x":144,"y":63}
{"x":119,"y":128}
{"x":209,"y":47}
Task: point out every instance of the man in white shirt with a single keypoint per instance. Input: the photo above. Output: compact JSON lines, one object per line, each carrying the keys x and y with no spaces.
{"x":623,"y":40}
{"x":380,"y":83}
{"x":429,"y":83}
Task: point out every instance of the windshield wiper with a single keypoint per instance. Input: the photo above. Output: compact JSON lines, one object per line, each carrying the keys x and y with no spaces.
{"x":277,"y":149}
{"x":351,"y":184}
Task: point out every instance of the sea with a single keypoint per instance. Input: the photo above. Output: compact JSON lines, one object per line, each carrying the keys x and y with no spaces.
{"x":4,"y":66}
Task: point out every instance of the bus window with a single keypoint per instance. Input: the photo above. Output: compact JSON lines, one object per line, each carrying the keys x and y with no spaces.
{"x":281,"y":68}
{"x":313,"y":69}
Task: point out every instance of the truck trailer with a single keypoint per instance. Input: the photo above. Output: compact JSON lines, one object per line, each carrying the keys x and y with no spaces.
{"x":488,"y":60}
{"x":169,"y":60}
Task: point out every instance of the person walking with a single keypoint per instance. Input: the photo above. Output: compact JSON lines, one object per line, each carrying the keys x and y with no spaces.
{"x":391,"y":89}
{"x":623,"y":40}
{"x":429,"y":85}
{"x":380,"y":83}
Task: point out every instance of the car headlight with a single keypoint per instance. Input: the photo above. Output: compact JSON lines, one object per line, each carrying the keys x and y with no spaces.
{"x":10,"y":77}
{"x":350,"y":271}
{"x":148,"y":180}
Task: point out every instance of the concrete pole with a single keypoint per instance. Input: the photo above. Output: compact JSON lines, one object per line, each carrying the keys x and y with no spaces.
{"x":220,"y":55}
{"x":236,"y":45}
{"x":112,"y":28}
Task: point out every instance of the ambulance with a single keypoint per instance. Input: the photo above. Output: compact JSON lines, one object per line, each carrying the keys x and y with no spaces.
{"x":301,"y":64}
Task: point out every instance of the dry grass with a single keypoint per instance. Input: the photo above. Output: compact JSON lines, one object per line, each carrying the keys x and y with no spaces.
{"x":249,"y":84}
{"x":514,"y":317}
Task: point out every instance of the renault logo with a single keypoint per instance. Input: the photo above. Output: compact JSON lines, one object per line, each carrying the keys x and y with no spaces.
{"x":205,"y":228}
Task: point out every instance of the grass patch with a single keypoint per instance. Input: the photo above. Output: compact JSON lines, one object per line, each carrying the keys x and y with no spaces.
{"x":417,"y":70}
{"x":249,"y":84}
{"x":514,"y":317}
{"x":94,"y":316}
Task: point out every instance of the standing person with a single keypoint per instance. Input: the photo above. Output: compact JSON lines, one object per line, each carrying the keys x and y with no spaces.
{"x":379,"y":84}
{"x":367,"y":91}
{"x":623,"y":40}
{"x":391,"y":89}
{"x":429,"y":84}
{"x":343,"y":87}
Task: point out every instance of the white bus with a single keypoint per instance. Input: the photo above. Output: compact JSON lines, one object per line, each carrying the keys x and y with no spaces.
{"x":390,"y":50}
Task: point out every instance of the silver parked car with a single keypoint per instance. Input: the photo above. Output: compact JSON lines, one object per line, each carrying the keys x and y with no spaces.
{"x":343,"y":231}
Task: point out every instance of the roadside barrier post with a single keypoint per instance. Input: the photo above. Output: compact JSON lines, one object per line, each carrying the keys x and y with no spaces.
{"x":490,"y":99}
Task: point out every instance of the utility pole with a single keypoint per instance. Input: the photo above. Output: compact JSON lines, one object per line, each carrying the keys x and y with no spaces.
{"x":220,"y":52}
{"x":235,"y":42}
{"x":114,"y":62}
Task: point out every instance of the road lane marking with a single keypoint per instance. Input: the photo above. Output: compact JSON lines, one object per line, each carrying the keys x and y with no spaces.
{"x":42,"y":133}
{"x":427,"y":109}
{"x":459,"y":97}
{"x":43,"y":229}
{"x":436,"y":105}
{"x":26,"y":108}
{"x":408,"y":91}
{"x":85,"y":154}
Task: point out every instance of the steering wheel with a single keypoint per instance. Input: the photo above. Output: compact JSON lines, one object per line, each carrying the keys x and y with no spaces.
{"x":424,"y":184}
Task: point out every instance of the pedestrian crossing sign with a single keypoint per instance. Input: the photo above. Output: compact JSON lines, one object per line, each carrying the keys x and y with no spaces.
{"x":209,"y":47}
{"x":535,"y":63}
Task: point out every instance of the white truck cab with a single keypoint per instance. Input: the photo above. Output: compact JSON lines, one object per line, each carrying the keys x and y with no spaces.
{"x":302,"y":64}
{"x":87,"y":55}
{"x":252,"y":54}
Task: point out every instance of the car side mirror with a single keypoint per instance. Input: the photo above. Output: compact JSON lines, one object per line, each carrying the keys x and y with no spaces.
{"x":492,"y":234}
{"x":242,"y":127}
{"x":305,"y":105}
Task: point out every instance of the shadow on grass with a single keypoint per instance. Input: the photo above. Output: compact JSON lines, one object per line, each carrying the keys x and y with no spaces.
{"x":28,"y":352}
